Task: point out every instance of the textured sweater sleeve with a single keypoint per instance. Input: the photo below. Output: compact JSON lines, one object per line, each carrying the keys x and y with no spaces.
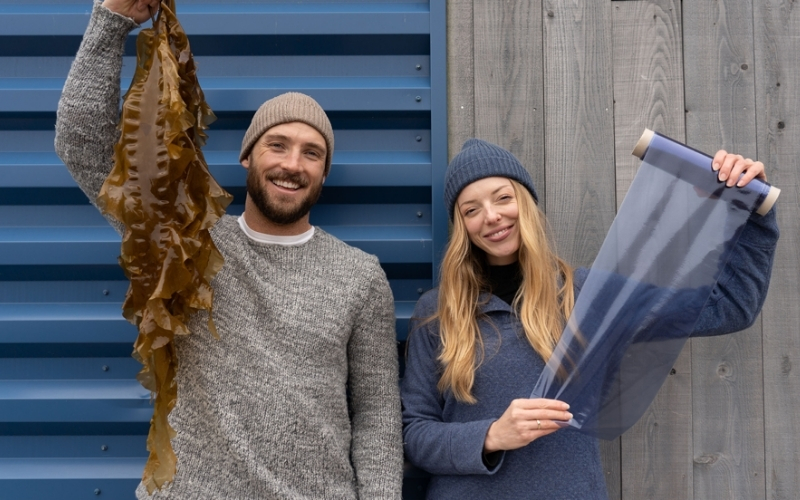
{"x":376,"y":449}
{"x":741,"y":289}
{"x":88,"y":112}
{"x":742,"y":286}
{"x":436,"y":446}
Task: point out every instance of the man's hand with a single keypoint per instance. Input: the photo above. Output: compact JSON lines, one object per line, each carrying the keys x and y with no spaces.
{"x":138,"y":10}
{"x":737,"y":170}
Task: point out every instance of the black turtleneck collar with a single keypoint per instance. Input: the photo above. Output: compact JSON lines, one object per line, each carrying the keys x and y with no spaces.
{"x":504,"y":281}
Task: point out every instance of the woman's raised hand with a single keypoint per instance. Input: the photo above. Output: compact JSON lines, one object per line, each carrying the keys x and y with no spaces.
{"x":524,"y":421}
{"x":736,"y":169}
{"x":138,"y":10}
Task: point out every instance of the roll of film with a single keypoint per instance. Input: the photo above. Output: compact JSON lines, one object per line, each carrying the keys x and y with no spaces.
{"x":769,"y":193}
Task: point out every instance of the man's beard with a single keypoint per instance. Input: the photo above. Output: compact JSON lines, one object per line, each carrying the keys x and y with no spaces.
{"x":274,"y":212}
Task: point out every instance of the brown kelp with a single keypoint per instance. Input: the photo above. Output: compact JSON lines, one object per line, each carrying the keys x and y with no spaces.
{"x":160,"y":189}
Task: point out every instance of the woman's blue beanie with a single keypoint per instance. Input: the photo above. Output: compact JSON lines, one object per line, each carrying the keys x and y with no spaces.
{"x":479,"y":159}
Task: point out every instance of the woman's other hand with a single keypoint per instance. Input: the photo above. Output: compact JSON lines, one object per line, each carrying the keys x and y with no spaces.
{"x":524,"y":421}
{"x":737,"y":170}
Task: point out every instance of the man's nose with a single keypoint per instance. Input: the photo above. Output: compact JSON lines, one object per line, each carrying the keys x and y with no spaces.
{"x":292,"y":161}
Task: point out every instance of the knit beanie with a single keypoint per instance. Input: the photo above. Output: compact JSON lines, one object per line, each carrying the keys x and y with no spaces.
{"x":289,"y":107}
{"x":477,"y":160}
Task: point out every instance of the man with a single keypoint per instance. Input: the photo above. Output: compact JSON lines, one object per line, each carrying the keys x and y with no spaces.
{"x":304,"y":319}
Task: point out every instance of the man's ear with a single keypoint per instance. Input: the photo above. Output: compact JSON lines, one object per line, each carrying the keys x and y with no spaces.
{"x":246,"y":162}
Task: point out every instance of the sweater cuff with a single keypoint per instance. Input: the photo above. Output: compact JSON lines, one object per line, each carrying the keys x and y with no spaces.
{"x":108,"y":29}
{"x":467,"y":450}
{"x":761,"y":230}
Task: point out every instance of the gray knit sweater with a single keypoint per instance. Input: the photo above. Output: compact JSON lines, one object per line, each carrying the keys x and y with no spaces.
{"x":263,"y":412}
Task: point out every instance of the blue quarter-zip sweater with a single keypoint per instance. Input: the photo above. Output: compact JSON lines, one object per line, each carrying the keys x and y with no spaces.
{"x":445,"y":437}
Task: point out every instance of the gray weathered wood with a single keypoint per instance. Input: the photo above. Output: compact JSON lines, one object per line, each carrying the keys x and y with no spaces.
{"x":777,"y":25}
{"x":728,"y":433}
{"x":579,"y":129}
{"x":728,"y":437}
{"x":726,"y":424}
{"x":655,"y":462}
{"x":579,"y":142}
{"x":648,"y":79}
{"x":719,"y":75}
{"x":460,"y":75}
{"x":648,"y":93}
{"x":611,"y":455}
{"x":508,"y":80}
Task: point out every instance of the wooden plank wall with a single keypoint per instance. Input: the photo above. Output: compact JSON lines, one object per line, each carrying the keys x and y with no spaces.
{"x":777,"y":67}
{"x":568,"y":87}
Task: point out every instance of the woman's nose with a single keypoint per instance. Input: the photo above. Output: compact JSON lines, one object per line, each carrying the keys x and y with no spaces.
{"x":492,"y":216}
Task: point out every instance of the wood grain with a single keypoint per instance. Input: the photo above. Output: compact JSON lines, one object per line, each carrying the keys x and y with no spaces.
{"x":648,"y":93}
{"x":648,"y":79}
{"x":579,"y":129}
{"x":777,"y":45}
{"x":579,"y":156}
{"x":728,"y":431}
{"x":611,"y":455}
{"x":508,"y":80}
{"x":726,"y":424}
{"x":460,"y":75}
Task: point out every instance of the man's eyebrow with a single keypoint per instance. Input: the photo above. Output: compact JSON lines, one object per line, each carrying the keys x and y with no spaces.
{"x":315,"y":145}
{"x":273,"y":137}
{"x":281,"y":137}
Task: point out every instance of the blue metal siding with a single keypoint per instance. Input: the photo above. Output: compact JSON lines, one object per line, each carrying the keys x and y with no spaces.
{"x":73,"y":419}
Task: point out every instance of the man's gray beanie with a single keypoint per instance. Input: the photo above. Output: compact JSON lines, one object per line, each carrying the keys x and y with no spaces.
{"x":285,"y":108}
{"x":477,"y":160}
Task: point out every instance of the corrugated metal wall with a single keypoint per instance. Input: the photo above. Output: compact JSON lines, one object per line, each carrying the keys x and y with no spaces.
{"x":73,"y":419}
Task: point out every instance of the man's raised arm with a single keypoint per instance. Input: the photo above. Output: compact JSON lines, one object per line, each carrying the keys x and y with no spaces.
{"x":88,"y":112}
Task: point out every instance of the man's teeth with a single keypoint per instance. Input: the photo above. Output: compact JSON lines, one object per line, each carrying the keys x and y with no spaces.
{"x":286,"y":184}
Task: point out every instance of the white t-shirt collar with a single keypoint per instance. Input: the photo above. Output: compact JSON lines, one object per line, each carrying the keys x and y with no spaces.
{"x":272,"y":239}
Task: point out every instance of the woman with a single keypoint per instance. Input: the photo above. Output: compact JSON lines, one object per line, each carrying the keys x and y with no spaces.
{"x":478,"y":342}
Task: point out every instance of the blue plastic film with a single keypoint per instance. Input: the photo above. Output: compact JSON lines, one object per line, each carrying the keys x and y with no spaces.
{"x":669,"y":242}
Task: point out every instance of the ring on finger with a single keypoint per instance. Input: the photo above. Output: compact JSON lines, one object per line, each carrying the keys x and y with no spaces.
{"x":538,"y":424}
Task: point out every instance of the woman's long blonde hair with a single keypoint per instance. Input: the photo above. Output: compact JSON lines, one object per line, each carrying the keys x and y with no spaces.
{"x":543,"y":301}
